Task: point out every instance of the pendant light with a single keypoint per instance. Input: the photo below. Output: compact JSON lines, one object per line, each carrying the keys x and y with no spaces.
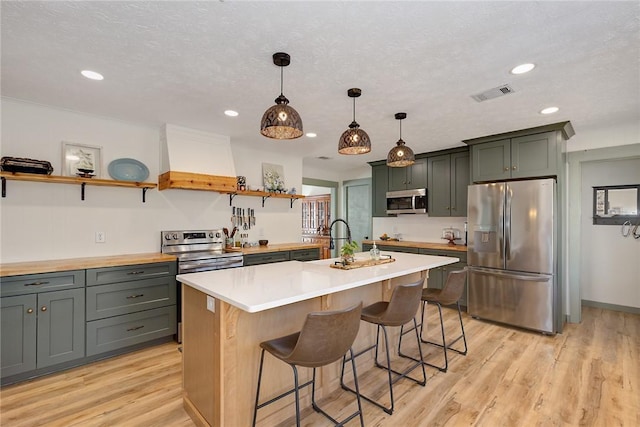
{"x":400,"y":156}
{"x":354,"y":140}
{"x":281,"y":121}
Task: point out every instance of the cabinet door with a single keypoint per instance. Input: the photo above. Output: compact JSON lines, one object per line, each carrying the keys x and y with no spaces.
{"x":491,"y":160}
{"x":17,"y":334}
{"x":417,"y":175}
{"x":460,"y":173}
{"x":534,"y":155}
{"x":379,"y":188}
{"x":60,"y":327}
{"x":398,"y":179}
{"x":435,"y":279}
{"x":439,"y":191}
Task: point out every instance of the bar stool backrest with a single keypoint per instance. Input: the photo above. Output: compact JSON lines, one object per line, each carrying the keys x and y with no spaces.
{"x":404,"y":304}
{"x":325,"y":337}
{"x":453,"y":287}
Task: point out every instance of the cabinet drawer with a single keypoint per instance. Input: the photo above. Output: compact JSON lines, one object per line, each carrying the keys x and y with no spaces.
{"x":305,"y":254}
{"x":404,"y":249}
{"x":34,"y":283}
{"x":123,"y":331}
{"x":128,"y":297}
{"x":102,"y":276}
{"x":255,"y":259}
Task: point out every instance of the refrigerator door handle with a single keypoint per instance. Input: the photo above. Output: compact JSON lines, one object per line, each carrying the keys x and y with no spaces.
{"x":507,"y":224}
{"x":530,"y":278}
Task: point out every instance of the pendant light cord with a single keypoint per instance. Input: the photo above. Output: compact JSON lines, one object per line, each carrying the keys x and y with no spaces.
{"x":354,"y":109}
{"x":281,"y":78}
{"x":400,"y":129}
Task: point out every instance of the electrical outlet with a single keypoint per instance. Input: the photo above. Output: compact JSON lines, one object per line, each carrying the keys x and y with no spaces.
{"x":101,"y":237}
{"x":211,"y":304}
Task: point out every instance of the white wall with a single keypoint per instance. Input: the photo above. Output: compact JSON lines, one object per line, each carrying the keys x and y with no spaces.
{"x":610,"y":263}
{"x":49,"y":221}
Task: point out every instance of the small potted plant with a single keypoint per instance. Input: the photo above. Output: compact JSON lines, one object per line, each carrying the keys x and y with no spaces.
{"x":347,"y":251}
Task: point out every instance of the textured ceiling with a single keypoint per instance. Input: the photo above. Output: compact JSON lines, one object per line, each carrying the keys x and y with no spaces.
{"x":186,"y":62}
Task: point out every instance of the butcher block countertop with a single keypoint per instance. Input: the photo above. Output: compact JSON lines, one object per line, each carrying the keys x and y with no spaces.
{"x":420,"y":245}
{"x":279,"y":247}
{"x":34,"y":267}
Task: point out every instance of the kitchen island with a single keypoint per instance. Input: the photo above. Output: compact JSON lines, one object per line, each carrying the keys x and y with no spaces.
{"x":227,"y":313}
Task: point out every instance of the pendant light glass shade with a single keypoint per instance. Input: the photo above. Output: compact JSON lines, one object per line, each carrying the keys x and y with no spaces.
{"x":354,"y":140}
{"x":400,"y":156}
{"x":281,"y":121}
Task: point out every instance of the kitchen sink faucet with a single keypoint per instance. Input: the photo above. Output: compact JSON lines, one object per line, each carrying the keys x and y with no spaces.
{"x":331,"y":244}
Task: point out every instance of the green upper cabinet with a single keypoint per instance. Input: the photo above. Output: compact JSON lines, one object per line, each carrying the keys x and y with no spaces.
{"x":410,"y":177}
{"x":379,"y":184}
{"x":528,"y":153}
{"x":448,"y":181}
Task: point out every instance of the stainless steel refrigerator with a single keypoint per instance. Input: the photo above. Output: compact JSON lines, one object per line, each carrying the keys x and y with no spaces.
{"x":512,"y":253}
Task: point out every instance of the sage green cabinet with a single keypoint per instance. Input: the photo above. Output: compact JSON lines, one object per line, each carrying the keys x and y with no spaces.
{"x":266,"y":258}
{"x":410,"y":177}
{"x":130,"y":305}
{"x":308,"y":254}
{"x":526,"y":156}
{"x":448,"y":177}
{"x":379,"y":188}
{"x":18,"y":338}
{"x":42,"y":329}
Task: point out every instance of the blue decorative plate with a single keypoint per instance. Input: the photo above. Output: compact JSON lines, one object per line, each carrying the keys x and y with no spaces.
{"x":128,"y":170}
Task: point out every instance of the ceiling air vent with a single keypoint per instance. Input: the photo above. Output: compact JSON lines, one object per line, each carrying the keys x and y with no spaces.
{"x":323,"y":158}
{"x":493,"y":93}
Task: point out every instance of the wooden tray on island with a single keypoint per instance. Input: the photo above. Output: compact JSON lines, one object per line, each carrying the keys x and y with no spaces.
{"x":363,"y":263}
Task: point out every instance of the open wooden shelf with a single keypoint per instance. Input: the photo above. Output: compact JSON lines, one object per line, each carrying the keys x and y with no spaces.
{"x":55,"y":179}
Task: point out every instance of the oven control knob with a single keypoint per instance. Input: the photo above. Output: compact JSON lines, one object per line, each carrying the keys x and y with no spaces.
{"x":210,"y":234}
{"x":174,"y":236}
{"x":217,"y":234}
{"x":167,"y":237}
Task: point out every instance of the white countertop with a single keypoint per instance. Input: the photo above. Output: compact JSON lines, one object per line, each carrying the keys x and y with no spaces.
{"x":262,"y":287}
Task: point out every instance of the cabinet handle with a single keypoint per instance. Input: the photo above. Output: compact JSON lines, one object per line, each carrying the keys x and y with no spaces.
{"x":44,"y":308}
{"x":506,"y":169}
{"x":447,"y":207}
{"x":36,"y":283}
{"x":30,"y":310}
{"x":514,"y":168}
{"x":453,"y":208}
{"x":136,"y":272}
{"x":135,"y":328}
{"x":135,"y":296}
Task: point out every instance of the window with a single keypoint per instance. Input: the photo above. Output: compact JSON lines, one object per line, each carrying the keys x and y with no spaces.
{"x":615,"y":204}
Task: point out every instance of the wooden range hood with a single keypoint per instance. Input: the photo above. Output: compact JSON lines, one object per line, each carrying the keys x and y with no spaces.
{"x":196,"y":181}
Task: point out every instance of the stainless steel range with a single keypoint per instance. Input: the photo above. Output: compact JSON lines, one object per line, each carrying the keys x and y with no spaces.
{"x":199,"y":250}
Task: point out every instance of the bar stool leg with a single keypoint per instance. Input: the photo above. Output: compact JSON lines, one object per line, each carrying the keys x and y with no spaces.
{"x":297,"y":392}
{"x":255,"y":408}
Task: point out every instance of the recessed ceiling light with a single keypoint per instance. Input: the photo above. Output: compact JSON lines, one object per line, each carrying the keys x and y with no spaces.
{"x":311,"y":135}
{"x":523,"y":68}
{"x":323,"y":158}
{"x":549,"y":110}
{"x":231,"y":113}
{"x":92,"y":75}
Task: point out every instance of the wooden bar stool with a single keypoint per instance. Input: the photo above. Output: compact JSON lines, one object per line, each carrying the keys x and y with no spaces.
{"x":325,"y":337}
{"x":448,"y":295}
{"x":401,"y":309}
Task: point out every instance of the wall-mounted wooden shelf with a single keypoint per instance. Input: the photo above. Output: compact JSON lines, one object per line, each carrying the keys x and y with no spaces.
{"x":54,"y":179}
{"x":218,"y":184}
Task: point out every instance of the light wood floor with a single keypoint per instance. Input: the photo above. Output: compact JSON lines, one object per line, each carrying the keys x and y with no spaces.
{"x":587,"y":376}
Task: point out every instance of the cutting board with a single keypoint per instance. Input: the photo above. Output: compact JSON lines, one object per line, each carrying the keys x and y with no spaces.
{"x":364,"y":263}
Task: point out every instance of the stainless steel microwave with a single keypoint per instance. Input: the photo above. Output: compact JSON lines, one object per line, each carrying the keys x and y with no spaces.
{"x":407,"y":201}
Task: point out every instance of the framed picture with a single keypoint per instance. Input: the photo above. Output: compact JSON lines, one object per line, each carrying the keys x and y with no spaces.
{"x":273,"y":177}
{"x":79,"y":156}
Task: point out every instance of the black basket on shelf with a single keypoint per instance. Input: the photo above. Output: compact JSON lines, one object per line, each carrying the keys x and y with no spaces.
{"x":23,"y":165}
